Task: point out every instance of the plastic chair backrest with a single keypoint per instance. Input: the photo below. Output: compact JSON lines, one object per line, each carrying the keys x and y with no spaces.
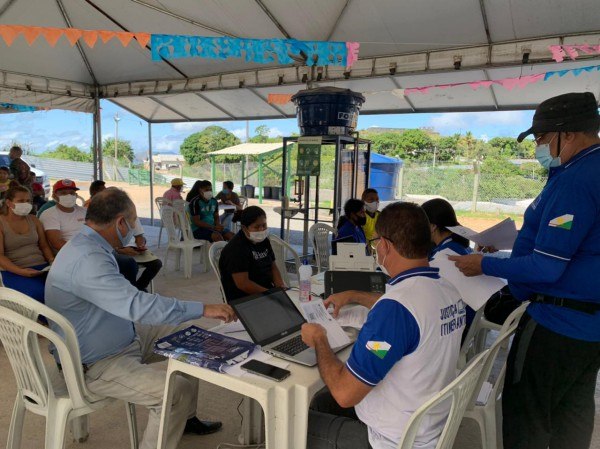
{"x":283,"y":251}
{"x":214,"y":254}
{"x":167,"y":215}
{"x":469,"y":340}
{"x":19,"y":331}
{"x":243,"y":201}
{"x":459,"y":392}
{"x":319,"y":234}
{"x":160,"y":202}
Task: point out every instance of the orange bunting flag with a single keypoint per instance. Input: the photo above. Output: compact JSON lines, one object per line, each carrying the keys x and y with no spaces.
{"x":142,"y":38}
{"x":73,"y":35}
{"x":52,"y":35}
{"x":124,"y":37}
{"x":90,"y":37}
{"x":106,"y":35}
{"x":279,"y":98}
{"x":9,"y":33}
{"x":31,"y":34}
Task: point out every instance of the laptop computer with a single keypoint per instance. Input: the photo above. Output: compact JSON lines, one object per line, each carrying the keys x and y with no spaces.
{"x":365,"y":281}
{"x":273,"y":322}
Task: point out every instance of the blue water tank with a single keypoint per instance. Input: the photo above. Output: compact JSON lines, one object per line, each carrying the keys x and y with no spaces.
{"x":385,"y":171}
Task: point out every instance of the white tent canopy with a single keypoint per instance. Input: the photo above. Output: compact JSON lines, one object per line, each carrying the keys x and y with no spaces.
{"x":404,"y":44}
{"x":248,"y":149}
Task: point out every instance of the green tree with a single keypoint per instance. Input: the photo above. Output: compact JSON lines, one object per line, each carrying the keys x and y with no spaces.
{"x":124,"y":149}
{"x":262,"y":135}
{"x":212,"y":138}
{"x":415,"y":144}
{"x":68,"y":153}
{"x":499,"y":165}
{"x":447,"y":147}
{"x":384,"y":143}
{"x":526,"y":149}
{"x":507,"y":146}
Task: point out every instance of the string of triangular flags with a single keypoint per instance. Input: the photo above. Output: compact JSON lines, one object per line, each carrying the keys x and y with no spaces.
{"x":507,"y":83}
{"x":560,"y":52}
{"x":174,"y":46}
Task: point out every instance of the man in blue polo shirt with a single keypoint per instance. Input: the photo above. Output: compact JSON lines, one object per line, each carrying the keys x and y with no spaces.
{"x":405,"y":353}
{"x":548,"y":398}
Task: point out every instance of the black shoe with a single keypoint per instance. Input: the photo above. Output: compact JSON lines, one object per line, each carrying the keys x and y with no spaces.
{"x":194,"y":425}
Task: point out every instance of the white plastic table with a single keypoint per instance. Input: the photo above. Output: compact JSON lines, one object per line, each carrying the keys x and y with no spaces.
{"x":285,"y":404}
{"x":223,"y":207}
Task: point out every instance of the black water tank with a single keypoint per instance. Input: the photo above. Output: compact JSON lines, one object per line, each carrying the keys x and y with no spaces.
{"x":327,"y":111}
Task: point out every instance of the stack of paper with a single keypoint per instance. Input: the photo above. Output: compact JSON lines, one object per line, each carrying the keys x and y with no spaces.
{"x":315,"y":312}
{"x":500,"y":236}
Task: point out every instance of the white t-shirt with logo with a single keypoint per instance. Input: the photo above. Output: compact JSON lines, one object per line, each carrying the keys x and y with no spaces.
{"x":407,"y":350}
{"x":68,"y":223}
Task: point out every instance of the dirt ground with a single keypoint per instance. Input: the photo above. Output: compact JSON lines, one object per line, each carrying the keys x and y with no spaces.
{"x":141,"y":197}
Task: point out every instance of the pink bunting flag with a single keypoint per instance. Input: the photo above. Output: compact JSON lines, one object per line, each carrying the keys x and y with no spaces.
{"x":559,"y":52}
{"x":352,"y":49}
{"x":280,"y":99}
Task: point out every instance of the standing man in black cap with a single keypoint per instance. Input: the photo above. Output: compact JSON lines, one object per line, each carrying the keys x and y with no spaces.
{"x":548,"y":398}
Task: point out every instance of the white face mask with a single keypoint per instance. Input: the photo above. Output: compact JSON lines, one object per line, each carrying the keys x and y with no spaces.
{"x":67,"y":200}
{"x":258,"y":236}
{"x":544,"y":157}
{"x":208,"y":195}
{"x":22,"y":209}
{"x":381,"y":264}
{"x":372,"y":207}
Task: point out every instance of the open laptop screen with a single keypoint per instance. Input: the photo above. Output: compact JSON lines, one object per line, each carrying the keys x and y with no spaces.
{"x":268,"y":316}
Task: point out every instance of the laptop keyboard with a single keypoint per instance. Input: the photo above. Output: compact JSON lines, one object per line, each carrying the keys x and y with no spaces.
{"x":291,"y":347}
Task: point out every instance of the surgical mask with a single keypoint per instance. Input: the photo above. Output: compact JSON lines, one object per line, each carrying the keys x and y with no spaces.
{"x":22,"y":209}
{"x":226,"y":191}
{"x":258,"y":236}
{"x":208,"y":195}
{"x":125,"y":240}
{"x":67,"y":200}
{"x":372,"y":207}
{"x":542,"y":154}
{"x":381,"y":264}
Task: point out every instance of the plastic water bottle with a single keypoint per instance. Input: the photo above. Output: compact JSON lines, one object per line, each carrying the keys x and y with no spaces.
{"x":305,"y":273}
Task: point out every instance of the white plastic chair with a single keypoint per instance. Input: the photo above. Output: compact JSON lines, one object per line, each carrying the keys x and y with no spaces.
{"x":214,"y":254}
{"x":80,"y":201}
{"x":320,"y":235}
{"x":487,"y":415}
{"x":283,"y":251}
{"x":160,"y":201}
{"x":19,"y":333}
{"x":459,"y":392}
{"x":235,"y":227}
{"x":183,"y":247}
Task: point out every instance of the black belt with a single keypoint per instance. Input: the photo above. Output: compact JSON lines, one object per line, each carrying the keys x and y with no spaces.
{"x":580,"y":306}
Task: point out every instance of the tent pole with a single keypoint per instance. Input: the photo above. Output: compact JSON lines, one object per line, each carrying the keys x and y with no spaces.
{"x":151,"y":166}
{"x":99,"y":140}
{"x":95,"y":141}
{"x":213,"y":171}
{"x":260,"y":180}
{"x":243,"y":182}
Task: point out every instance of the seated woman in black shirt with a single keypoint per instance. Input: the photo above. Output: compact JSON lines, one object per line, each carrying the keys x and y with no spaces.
{"x":247,"y":263}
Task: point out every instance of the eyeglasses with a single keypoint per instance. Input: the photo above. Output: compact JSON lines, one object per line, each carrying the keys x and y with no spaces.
{"x":372,"y":244}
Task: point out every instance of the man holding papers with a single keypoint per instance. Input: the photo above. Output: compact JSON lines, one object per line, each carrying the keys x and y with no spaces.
{"x":548,"y":398}
{"x":415,"y":327}
{"x":117,"y":324}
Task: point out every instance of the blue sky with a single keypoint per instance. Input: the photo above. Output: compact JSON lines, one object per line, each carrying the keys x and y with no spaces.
{"x":46,"y":129}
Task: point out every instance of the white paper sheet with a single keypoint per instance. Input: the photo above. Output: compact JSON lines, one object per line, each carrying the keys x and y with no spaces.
{"x":476,"y":290}
{"x":500,"y":236}
{"x":315,"y":312}
{"x":354,"y":316}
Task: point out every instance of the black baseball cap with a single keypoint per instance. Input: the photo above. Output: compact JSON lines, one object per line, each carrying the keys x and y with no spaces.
{"x":576,"y":111}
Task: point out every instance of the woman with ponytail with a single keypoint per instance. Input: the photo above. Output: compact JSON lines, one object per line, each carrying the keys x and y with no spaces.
{"x":24,"y":250}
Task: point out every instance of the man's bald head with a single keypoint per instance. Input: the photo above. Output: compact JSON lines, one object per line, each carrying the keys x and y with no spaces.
{"x":109,"y":204}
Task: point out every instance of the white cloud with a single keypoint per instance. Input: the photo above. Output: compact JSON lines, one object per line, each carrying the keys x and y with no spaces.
{"x":190,"y":126}
{"x":240,"y":133}
{"x":464,"y":121}
{"x":166,"y":144}
{"x":484,"y":137}
{"x":273,"y":132}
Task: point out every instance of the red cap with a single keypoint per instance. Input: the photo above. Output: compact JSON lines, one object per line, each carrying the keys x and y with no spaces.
{"x":37,"y":186}
{"x":64,"y":184}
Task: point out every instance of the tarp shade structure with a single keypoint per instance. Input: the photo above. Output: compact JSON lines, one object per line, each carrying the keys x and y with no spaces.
{"x":403,"y":44}
{"x":243,"y":152}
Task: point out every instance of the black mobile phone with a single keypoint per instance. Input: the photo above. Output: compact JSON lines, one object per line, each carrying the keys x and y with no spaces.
{"x":265,"y":370}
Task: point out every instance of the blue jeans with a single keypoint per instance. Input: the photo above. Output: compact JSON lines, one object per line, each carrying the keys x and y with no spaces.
{"x":32,"y":287}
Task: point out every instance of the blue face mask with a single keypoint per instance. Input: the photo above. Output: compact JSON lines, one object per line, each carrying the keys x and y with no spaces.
{"x":542,"y":154}
{"x":125,"y":240}
{"x":226,"y":191}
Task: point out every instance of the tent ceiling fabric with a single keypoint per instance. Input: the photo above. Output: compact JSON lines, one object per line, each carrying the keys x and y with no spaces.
{"x":404,"y":44}
{"x":248,"y":149}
